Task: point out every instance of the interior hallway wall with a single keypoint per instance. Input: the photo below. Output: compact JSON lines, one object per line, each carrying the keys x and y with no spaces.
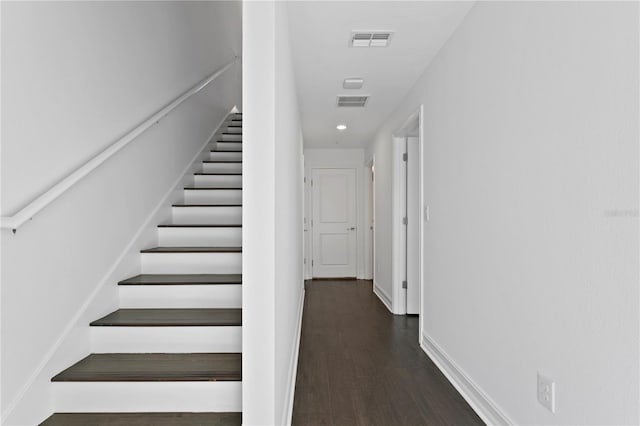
{"x":289,"y":163}
{"x":272,"y":292}
{"x":531,"y":174}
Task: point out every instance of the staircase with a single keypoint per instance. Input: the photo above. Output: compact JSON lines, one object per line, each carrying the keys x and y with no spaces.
{"x":175,"y":342}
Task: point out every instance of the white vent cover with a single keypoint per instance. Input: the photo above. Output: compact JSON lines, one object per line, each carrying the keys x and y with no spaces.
{"x":352,"y":83}
{"x":352,"y":101}
{"x":370,"y":38}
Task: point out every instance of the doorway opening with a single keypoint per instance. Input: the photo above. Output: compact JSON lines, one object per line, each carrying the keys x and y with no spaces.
{"x":407,"y":216}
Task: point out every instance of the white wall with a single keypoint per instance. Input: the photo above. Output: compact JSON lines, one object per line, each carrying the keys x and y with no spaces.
{"x":531,"y":174}
{"x":258,"y":213}
{"x":272,"y":217}
{"x":352,"y":158}
{"x":289,"y":163}
{"x":75,"y":77}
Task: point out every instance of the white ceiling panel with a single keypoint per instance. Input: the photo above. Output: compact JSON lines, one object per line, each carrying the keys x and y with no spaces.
{"x":321,"y":36}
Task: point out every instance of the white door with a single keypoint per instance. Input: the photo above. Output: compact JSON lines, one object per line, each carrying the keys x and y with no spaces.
{"x":413,"y":226}
{"x":334,"y":223}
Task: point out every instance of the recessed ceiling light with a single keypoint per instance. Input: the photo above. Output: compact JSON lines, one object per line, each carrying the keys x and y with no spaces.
{"x":341,"y":127}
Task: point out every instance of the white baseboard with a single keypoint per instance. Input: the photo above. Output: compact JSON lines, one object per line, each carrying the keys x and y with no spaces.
{"x":383,"y":296}
{"x":488,"y":411}
{"x":293,"y":367}
{"x":78,"y":320}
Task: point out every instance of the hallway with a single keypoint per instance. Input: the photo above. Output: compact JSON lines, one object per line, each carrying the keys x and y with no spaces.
{"x":360,"y":365}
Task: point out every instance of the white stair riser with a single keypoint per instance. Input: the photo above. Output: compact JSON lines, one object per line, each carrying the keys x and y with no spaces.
{"x":191,"y":263}
{"x":200,"y":237}
{"x":228,"y":146}
{"x":233,"y":129}
{"x":230,"y":138}
{"x":227,"y":181}
{"x":225,"y":156}
{"x":73,"y":397}
{"x":213,"y":196}
{"x":181,"y":296}
{"x":166,"y":339}
{"x":222,"y":167}
{"x":218,"y":215}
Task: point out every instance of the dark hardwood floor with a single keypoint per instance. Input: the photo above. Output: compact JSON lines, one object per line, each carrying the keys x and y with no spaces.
{"x":361,"y":365}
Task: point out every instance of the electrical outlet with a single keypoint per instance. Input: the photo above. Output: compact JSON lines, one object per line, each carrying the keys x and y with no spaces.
{"x":547,"y":393}
{"x":427,"y":215}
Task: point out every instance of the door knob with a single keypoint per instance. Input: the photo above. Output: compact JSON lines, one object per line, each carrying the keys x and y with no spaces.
{"x":353,"y":228}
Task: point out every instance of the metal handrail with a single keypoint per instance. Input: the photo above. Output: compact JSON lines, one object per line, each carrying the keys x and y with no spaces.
{"x":30,"y":210}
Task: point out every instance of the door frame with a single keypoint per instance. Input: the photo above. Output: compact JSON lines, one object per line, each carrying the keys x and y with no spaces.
{"x":370,"y":220}
{"x":335,"y":163}
{"x":398,"y":230}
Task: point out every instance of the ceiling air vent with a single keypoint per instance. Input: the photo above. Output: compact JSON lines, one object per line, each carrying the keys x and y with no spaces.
{"x":352,"y":101}
{"x":370,"y":38}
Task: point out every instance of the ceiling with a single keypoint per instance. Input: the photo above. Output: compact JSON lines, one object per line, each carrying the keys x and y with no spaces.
{"x":322,"y":59}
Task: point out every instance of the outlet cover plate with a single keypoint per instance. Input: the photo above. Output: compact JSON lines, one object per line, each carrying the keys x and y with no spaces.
{"x":547,"y":393}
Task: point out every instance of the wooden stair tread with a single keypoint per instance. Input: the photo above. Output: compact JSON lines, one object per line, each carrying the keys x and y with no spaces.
{"x":180,"y":279}
{"x":218,"y":174}
{"x":207,"y":205}
{"x":193,"y":250}
{"x":195,"y":225}
{"x":225,"y":150}
{"x":193,"y":188}
{"x":222,"y":161}
{"x":155,"y":367}
{"x":144,"y":419}
{"x":171,"y":318}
